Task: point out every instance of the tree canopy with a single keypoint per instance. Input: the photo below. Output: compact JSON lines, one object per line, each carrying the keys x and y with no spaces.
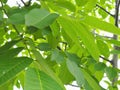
{"x":47,"y":44}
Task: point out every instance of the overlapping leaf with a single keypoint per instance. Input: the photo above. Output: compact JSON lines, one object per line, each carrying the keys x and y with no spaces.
{"x":95,"y":22}
{"x":9,"y":68}
{"x":38,"y":80}
{"x":39,"y":18}
{"x":75,"y":30}
{"x":76,"y":71}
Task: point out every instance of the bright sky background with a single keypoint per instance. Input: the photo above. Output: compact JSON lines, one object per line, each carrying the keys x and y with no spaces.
{"x":14,"y":3}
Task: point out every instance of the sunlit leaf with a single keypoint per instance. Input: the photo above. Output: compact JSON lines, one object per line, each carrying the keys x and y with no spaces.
{"x":66,"y":4}
{"x":102,"y":25}
{"x":64,"y":74}
{"x":93,"y":83}
{"x":80,"y":30}
{"x":103,"y":48}
{"x":81,"y":2}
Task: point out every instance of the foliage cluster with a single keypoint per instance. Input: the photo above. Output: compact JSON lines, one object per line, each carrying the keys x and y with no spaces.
{"x":47,"y":44}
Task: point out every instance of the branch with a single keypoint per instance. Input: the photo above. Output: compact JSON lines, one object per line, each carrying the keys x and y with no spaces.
{"x":102,"y":36}
{"x":3,"y":8}
{"x":17,"y":31}
{"x":26,"y":4}
{"x":106,"y":59}
{"x":115,"y":56}
{"x":73,"y":85}
{"x":105,"y":10}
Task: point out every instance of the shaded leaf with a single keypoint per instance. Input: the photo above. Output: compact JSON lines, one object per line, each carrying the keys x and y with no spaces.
{"x":8,"y":45}
{"x":57,"y":56}
{"x":11,"y":53}
{"x":17,"y":18}
{"x":44,"y":47}
{"x":64,"y":74}
{"x":45,"y":67}
{"x":38,"y":80}
{"x":111,"y":72}
{"x":99,"y":66}
{"x":41,"y":19}
{"x":10,"y":68}
{"x":75,"y":70}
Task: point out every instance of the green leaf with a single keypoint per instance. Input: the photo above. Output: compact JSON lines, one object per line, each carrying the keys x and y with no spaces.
{"x":8,"y":45}
{"x":57,"y":56}
{"x":81,"y":2}
{"x":99,"y":66}
{"x":38,"y":80}
{"x":75,"y":70}
{"x":44,"y":47}
{"x":103,"y":48}
{"x":45,"y":67}
{"x":64,"y":74}
{"x":55,"y":29}
{"x":10,"y":68}
{"x":11,"y":53}
{"x":39,"y":18}
{"x":99,"y":75}
{"x":17,"y":18}
{"x":115,"y":52}
{"x":111,"y":72}
{"x":112,"y":41}
{"x":90,"y":5}
{"x":1,"y":16}
{"x":4,"y":1}
{"x":102,"y":13}
{"x":102,"y":1}
{"x":66,"y":4}
{"x":91,"y":80}
{"x":80,"y":30}
{"x":53,"y":41}
{"x":102,"y":25}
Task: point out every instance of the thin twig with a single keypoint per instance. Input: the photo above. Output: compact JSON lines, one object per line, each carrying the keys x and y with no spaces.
{"x":105,"y":10}
{"x":26,"y":4}
{"x":23,"y":2}
{"x":102,"y":36}
{"x":106,"y":59}
{"x":73,"y":85}
{"x":17,"y":31}
{"x":3,"y":8}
